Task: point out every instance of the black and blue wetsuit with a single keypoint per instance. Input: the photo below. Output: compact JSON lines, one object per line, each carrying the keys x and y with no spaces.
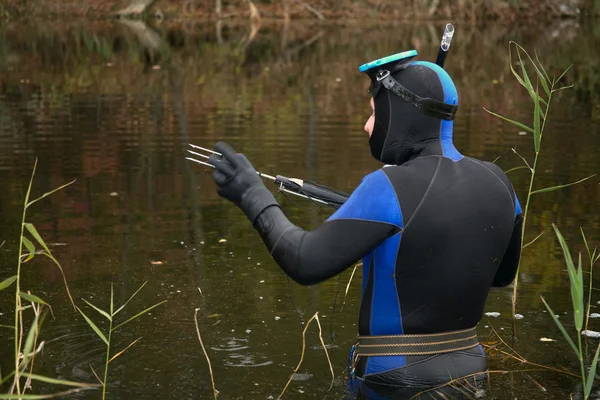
{"x":435,"y":231}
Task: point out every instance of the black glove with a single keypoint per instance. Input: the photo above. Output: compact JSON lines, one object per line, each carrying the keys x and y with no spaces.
{"x":238,"y":182}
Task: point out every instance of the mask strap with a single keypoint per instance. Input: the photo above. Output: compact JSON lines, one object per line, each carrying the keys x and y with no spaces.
{"x":429,"y":106}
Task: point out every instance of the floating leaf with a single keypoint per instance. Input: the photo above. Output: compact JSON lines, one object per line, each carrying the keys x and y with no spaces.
{"x":520,"y":125}
{"x":7,"y":282}
{"x":104,"y":313}
{"x":93,"y":326}
{"x":139,"y":314}
{"x":553,"y":188}
{"x":561,"y":327}
{"x":222,"y":240}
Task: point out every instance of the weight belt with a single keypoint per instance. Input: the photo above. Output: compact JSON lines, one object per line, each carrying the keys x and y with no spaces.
{"x":416,"y":345}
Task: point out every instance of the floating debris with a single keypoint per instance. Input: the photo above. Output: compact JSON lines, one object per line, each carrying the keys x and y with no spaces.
{"x":519,"y":316}
{"x":277,"y":318}
{"x":522,"y":133}
{"x":594,"y":315}
{"x":222,"y":240}
{"x":156,"y":262}
{"x":262,"y":281}
{"x":113,"y":194}
{"x":592,"y":334}
{"x":257,"y":263}
{"x":202,"y":242}
{"x":492,"y":314}
{"x":248,"y":331}
{"x":545,"y":339}
{"x":214,"y":315}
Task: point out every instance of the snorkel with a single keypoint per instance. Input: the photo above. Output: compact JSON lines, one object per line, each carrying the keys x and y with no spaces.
{"x":445,"y":45}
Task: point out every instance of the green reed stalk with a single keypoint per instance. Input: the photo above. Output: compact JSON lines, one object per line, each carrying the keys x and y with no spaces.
{"x":540,"y":117}
{"x":593,"y":257}
{"x":577,"y":290}
{"x":107,"y":338}
{"x":25,"y":351}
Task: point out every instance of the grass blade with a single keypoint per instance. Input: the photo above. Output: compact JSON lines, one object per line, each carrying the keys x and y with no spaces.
{"x":520,"y":125}
{"x":33,"y":298}
{"x":553,"y":188}
{"x":93,"y":326}
{"x":526,"y":85}
{"x":132,"y":296}
{"x":104,"y":313}
{"x":543,"y":76}
{"x":33,"y":331}
{"x":62,"y":272}
{"x":574,"y":279}
{"x":7,"y":282}
{"x":112,"y":299}
{"x":562,"y":88}
{"x":36,"y":236}
{"x":561,"y":327}
{"x":49,"y":193}
{"x":54,"y":381}
{"x":8,"y":327}
{"x":533,"y":241}
{"x":139,"y":314}
{"x":124,"y":350}
{"x":40,"y":396}
{"x":587,"y":247}
{"x":537,"y":133}
{"x":541,"y":66}
{"x":516,"y":168}
{"x":561,"y":75}
{"x":30,"y":247}
{"x":591,"y":374}
{"x":578,"y":306}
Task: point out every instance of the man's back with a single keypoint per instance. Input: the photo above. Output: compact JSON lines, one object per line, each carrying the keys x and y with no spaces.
{"x":457,"y":220}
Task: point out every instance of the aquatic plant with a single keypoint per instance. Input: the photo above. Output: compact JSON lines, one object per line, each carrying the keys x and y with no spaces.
{"x":541,"y":106}
{"x":577,"y":292}
{"x":593,"y":257}
{"x":26,"y":350}
{"x":107,"y":338}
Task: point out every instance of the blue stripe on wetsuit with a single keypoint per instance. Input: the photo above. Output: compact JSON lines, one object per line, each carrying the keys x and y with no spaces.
{"x":450,"y":97}
{"x":518,"y":209}
{"x":375,"y":200}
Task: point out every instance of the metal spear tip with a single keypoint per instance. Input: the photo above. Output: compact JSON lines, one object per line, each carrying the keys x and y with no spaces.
{"x":205,"y":149}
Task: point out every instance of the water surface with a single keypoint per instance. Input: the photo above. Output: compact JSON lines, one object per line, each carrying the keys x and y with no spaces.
{"x":113,"y":106}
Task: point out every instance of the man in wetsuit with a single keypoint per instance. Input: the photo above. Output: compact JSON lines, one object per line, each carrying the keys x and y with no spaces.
{"x":435,"y":230}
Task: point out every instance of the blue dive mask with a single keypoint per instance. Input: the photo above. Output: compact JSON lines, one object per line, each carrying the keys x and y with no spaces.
{"x":381,"y":72}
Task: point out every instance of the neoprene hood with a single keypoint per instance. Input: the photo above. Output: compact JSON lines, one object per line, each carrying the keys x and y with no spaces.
{"x":415,"y":103}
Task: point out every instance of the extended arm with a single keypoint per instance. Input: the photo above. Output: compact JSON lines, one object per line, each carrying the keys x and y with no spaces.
{"x":369,"y":216}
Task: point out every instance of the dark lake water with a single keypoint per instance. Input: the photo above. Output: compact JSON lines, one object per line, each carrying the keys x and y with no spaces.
{"x":114,"y":105}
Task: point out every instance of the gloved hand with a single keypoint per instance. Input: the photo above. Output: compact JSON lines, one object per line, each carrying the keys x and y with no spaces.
{"x":238,"y":182}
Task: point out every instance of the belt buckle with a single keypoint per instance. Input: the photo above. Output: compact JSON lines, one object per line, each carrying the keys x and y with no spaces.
{"x":352,"y":360}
